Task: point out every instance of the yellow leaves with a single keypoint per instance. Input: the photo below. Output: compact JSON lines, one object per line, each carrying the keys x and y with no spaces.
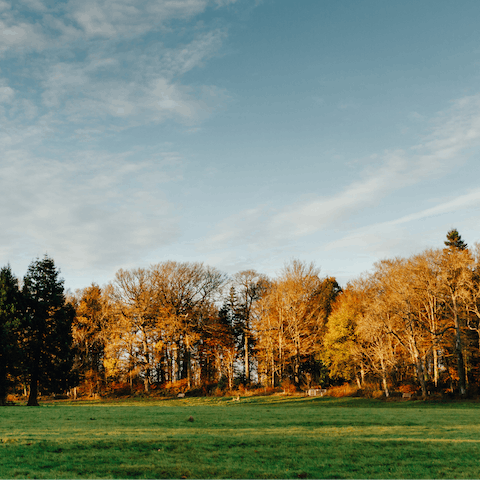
{"x":111,"y":365}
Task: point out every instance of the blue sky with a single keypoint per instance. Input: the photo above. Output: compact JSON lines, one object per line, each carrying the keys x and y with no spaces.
{"x":239,"y":133}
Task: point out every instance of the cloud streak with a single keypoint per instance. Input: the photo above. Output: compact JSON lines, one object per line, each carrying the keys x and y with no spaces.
{"x":455,"y":134}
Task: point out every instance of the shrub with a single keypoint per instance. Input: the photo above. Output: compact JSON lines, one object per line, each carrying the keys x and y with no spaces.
{"x":408,"y":388}
{"x":120,"y":389}
{"x":345,"y":390}
{"x":288,"y":386}
{"x":176,"y":387}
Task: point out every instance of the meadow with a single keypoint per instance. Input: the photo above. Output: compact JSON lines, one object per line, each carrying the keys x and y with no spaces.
{"x":256,"y":437}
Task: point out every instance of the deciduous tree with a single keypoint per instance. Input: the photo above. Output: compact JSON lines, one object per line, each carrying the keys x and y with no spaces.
{"x":249,"y":287}
{"x":90,"y":335}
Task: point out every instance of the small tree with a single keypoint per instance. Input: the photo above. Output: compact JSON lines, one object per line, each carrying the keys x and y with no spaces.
{"x":454,"y":240}
{"x":47,"y":329}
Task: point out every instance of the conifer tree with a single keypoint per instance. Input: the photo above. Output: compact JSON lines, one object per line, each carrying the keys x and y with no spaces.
{"x":454,"y":240}
{"x":10,"y":316}
{"x":47,"y":329}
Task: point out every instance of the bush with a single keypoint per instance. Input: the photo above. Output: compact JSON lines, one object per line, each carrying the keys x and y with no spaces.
{"x":120,"y":389}
{"x":174,"y":388}
{"x":345,"y":390}
{"x":408,"y":388}
{"x":288,"y":386}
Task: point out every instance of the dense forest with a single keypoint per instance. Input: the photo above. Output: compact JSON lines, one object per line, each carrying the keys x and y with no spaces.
{"x":409,"y":325}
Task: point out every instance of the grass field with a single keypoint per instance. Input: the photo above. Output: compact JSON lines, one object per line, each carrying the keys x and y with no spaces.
{"x":258,"y":437}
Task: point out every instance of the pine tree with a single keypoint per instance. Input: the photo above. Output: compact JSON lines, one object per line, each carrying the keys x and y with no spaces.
{"x":10,"y":316}
{"x":47,"y":329}
{"x":454,"y":240}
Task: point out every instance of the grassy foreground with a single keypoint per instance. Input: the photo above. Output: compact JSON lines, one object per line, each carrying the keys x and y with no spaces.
{"x":257,"y":437}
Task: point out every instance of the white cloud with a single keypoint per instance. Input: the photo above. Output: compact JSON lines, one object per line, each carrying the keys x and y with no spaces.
{"x":37,"y":5}
{"x":181,"y":60}
{"x":99,"y":67}
{"x":62,"y":24}
{"x":84,"y":80}
{"x":90,"y":210}
{"x":20,"y":35}
{"x":6,"y":93}
{"x":455,"y":134}
{"x":98,"y":88}
{"x":81,"y":97}
{"x":462,"y":202}
{"x":128,"y":18}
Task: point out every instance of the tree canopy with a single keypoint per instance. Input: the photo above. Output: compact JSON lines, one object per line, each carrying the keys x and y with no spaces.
{"x":410,"y":323}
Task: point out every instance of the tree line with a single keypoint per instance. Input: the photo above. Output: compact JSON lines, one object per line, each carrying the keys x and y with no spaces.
{"x":410,"y":323}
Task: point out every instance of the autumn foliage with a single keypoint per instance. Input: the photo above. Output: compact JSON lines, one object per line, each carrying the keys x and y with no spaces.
{"x":410,"y":326}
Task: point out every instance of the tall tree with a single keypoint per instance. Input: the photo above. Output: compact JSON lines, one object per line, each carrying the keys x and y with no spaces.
{"x":397,"y":307}
{"x":89,"y":335}
{"x":456,"y":274}
{"x":292,"y":322}
{"x":184,"y":294}
{"x":10,"y":317}
{"x":47,"y":329}
{"x":341,"y":345}
{"x":250,"y":286}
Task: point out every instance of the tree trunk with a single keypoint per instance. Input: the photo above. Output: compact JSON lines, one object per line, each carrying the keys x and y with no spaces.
{"x":384,"y":378}
{"x":273,"y":371}
{"x":230,"y":376}
{"x":32,"y":398}
{"x":297,"y":369}
{"x":33,"y":394}
{"x":3,"y":384}
{"x":462,"y":384}
{"x":421,"y":375}
{"x":247,"y":361}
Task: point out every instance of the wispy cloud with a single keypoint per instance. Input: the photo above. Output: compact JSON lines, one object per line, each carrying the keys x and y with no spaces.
{"x":96,"y":68}
{"x":15,"y":35}
{"x":454,"y":135}
{"x":85,"y":73}
{"x":89,"y":19}
{"x":91,"y":209}
{"x":397,"y":236}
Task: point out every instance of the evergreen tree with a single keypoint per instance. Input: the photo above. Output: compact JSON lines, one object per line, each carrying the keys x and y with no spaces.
{"x":10,"y":315}
{"x":454,"y":240}
{"x":47,"y":329}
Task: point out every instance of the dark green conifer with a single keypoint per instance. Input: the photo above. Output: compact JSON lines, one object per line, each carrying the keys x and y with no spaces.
{"x":10,"y":318}
{"x":48,"y":329}
{"x":454,"y":240}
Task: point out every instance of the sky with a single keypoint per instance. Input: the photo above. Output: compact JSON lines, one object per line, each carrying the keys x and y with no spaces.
{"x":237,"y":133}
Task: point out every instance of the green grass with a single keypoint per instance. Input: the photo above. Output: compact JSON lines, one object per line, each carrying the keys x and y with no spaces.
{"x":258,"y":437}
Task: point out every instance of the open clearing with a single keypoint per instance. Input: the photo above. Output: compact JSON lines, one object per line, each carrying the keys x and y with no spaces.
{"x":257,"y":437}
